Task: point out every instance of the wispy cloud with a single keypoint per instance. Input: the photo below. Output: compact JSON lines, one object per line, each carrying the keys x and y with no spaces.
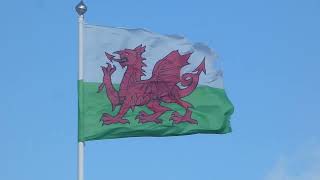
{"x":302,"y":164}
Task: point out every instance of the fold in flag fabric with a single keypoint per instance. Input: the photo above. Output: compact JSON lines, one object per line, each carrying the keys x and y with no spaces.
{"x":139,"y":83}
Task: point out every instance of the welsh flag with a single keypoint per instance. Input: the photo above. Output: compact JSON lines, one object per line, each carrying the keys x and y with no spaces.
{"x":139,"y":83}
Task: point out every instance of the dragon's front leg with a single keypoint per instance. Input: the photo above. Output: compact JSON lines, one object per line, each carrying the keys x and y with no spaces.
{"x":107,"y":119}
{"x":112,"y":93}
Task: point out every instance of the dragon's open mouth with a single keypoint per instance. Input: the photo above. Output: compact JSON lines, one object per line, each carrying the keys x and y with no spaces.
{"x":121,"y":60}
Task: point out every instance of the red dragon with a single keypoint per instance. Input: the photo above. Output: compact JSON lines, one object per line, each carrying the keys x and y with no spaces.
{"x":161,"y":87}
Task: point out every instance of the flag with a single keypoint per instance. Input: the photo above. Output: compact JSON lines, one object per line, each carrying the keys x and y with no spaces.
{"x":140,"y":83}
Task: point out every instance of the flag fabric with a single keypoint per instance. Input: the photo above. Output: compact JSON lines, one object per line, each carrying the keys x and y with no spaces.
{"x":140,"y":83}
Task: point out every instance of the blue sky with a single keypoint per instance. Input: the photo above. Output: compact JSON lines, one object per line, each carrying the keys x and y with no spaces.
{"x":270,"y":54}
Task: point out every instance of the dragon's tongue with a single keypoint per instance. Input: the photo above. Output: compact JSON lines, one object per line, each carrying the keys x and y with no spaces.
{"x":109,"y":56}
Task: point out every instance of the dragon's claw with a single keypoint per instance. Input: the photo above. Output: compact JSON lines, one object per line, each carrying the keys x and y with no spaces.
{"x":145,"y":118}
{"x":177,"y":118}
{"x":108,"y":70}
{"x":107,"y":120}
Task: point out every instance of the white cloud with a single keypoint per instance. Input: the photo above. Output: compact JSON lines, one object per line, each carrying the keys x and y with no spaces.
{"x":303,"y":164}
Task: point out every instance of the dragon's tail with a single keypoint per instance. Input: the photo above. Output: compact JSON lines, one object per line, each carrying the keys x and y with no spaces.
{"x":190,"y":80}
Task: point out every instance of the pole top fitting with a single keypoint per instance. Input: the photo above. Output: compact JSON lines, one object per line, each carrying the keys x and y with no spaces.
{"x":81,"y":8}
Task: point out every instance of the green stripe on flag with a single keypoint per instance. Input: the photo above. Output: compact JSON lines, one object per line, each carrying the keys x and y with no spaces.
{"x":211,"y":108}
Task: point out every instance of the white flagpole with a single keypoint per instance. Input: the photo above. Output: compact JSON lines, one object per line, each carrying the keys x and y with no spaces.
{"x":81,"y":161}
{"x":81,"y":10}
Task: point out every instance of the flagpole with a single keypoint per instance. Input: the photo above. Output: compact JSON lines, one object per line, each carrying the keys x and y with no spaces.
{"x":81,"y":9}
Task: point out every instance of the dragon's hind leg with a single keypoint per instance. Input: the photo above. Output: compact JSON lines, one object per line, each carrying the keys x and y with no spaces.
{"x":157,"y":109}
{"x":177,"y":118}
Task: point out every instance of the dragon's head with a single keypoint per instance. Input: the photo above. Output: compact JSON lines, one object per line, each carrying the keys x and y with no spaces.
{"x":128,"y":57}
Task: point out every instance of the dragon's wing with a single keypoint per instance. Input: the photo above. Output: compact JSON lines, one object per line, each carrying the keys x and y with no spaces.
{"x":168,"y":69}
